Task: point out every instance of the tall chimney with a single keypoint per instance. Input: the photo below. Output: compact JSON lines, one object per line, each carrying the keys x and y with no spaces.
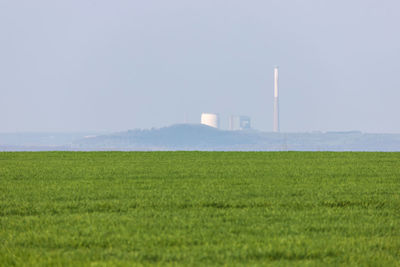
{"x":276,"y":101}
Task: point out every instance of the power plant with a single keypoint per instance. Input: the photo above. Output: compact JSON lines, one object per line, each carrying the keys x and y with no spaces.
{"x":210,"y":119}
{"x":237,"y":122}
{"x":276,"y":101}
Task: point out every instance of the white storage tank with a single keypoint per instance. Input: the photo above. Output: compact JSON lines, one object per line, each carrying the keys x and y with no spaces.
{"x":210,"y":119}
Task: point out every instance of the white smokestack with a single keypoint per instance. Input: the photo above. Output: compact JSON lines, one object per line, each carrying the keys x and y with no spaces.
{"x":276,"y":101}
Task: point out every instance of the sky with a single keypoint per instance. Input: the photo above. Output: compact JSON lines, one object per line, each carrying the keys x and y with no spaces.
{"x":100,"y":65}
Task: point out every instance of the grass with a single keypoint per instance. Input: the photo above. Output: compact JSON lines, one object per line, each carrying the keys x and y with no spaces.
{"x":199,"y":208}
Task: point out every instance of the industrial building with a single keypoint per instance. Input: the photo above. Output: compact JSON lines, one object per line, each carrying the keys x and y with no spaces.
{"x":239,"y":123}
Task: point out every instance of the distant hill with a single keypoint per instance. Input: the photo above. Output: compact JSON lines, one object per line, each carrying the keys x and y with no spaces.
{"x":201,"y":137}
{"x":179,"y":137}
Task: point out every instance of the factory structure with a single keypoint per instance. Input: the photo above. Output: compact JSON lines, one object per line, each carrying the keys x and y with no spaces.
{"x":236,"y":122}
{"x":240,"y":122}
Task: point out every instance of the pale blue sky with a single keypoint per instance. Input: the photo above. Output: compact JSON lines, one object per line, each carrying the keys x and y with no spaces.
{"x":116,"y":65}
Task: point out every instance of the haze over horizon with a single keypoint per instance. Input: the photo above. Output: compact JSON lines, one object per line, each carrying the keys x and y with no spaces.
{"x":111,"y":66}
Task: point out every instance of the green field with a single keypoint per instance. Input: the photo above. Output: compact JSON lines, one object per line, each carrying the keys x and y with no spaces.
{"x":200,"y":208}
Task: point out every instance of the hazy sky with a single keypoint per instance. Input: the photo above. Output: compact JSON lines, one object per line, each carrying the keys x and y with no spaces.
{"x":78,"y":65}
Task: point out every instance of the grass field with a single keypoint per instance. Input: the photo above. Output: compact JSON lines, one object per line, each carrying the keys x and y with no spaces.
{"x":200,"y":208}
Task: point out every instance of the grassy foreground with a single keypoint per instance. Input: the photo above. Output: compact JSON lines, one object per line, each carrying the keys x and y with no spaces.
{"x":199,"y":208}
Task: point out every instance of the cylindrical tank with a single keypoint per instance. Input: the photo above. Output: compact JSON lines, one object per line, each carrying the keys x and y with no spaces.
{"x":210,"y":119}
